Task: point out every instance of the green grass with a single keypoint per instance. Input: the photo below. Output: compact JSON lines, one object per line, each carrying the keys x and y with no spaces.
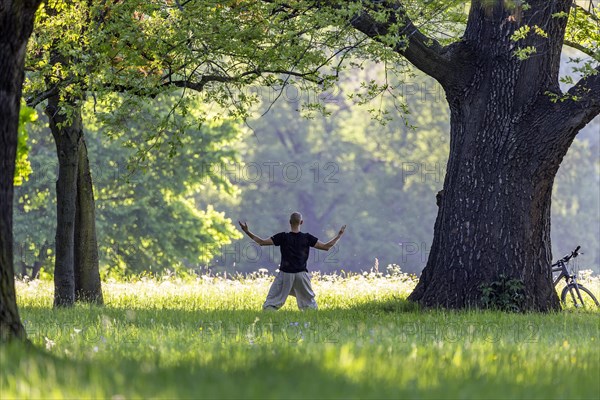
{"x":207,"y":339}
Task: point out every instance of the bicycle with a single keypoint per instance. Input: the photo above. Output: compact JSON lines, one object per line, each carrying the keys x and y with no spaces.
{"x":579,"y":296}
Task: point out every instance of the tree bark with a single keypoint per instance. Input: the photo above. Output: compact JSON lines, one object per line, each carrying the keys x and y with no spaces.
{"x":507,"y":142}
{"x":67,"y":134}
{"x":494,"y":215}
{"x":16,"y":24}
{"x":87,"y":276}
{"x":76,"y":272}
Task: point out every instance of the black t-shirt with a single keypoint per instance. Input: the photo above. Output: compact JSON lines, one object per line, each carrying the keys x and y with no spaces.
{"x":294,"y":250}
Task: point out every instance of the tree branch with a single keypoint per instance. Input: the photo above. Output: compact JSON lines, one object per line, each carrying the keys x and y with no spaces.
{"x":34,"y":100}
{"x":580,"y":107}
{"x":593,"y":17}
{"x":198,"y":86}
{"x":589,"y":14}
{"x":423,"y":52}
{"x":586,"y":96}
{"x":583,"y":49}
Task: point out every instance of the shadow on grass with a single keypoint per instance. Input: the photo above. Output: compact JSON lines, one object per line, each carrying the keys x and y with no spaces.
{"x":258,"y":372}
{"x":31,"y":372}
{"x":389,"y":305}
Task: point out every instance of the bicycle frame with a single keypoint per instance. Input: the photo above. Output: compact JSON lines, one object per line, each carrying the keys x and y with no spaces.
{"x":564,"y":273}
{"x":560,"y":266}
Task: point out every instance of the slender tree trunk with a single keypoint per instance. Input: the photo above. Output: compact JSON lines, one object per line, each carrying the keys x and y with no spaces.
{"x":16,"y":24}
{"x":76,"y":272}
{"x":87,"y":276}
{"x":67,"y":134}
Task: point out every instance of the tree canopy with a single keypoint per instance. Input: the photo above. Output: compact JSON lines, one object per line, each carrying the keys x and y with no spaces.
{"x":497,"y":62}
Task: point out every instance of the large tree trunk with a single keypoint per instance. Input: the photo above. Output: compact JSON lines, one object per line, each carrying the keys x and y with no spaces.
{"x":67,"y":134}
{"x":16,"y":24}
{"x":507,"y":142}
{"x":494,"y":215}
{"x":87,"y":276}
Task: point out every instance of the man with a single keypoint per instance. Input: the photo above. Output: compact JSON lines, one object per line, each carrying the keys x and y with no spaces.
{"x":293,"y":278}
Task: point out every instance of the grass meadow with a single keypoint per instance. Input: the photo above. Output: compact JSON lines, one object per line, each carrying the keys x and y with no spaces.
{"x":207,"y":338}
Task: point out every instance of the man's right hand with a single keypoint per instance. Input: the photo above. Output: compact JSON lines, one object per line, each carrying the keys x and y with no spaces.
{"x":244,"y":226}
{"x":341,"y":232}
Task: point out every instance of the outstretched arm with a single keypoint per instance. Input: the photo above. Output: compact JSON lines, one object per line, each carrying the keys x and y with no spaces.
{"x":260,"y":241}
{"x":326,"y":246}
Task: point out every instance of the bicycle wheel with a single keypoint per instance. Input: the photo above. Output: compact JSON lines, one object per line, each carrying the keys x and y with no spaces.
{"x":570,"y":298}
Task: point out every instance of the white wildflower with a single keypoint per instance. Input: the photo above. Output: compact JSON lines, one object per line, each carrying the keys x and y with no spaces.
{"x":49,"y":343}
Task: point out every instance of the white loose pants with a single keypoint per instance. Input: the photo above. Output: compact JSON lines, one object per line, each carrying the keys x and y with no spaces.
{"x":295,"y":284}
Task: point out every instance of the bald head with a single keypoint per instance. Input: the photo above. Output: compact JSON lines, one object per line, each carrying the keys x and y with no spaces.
{"x":295,"y":219}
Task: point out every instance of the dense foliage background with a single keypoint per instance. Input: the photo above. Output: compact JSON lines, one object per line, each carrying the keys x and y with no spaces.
{"x":342,"y":168}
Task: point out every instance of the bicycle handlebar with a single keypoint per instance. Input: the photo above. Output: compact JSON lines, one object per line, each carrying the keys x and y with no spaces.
{"x":573,"y":254}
